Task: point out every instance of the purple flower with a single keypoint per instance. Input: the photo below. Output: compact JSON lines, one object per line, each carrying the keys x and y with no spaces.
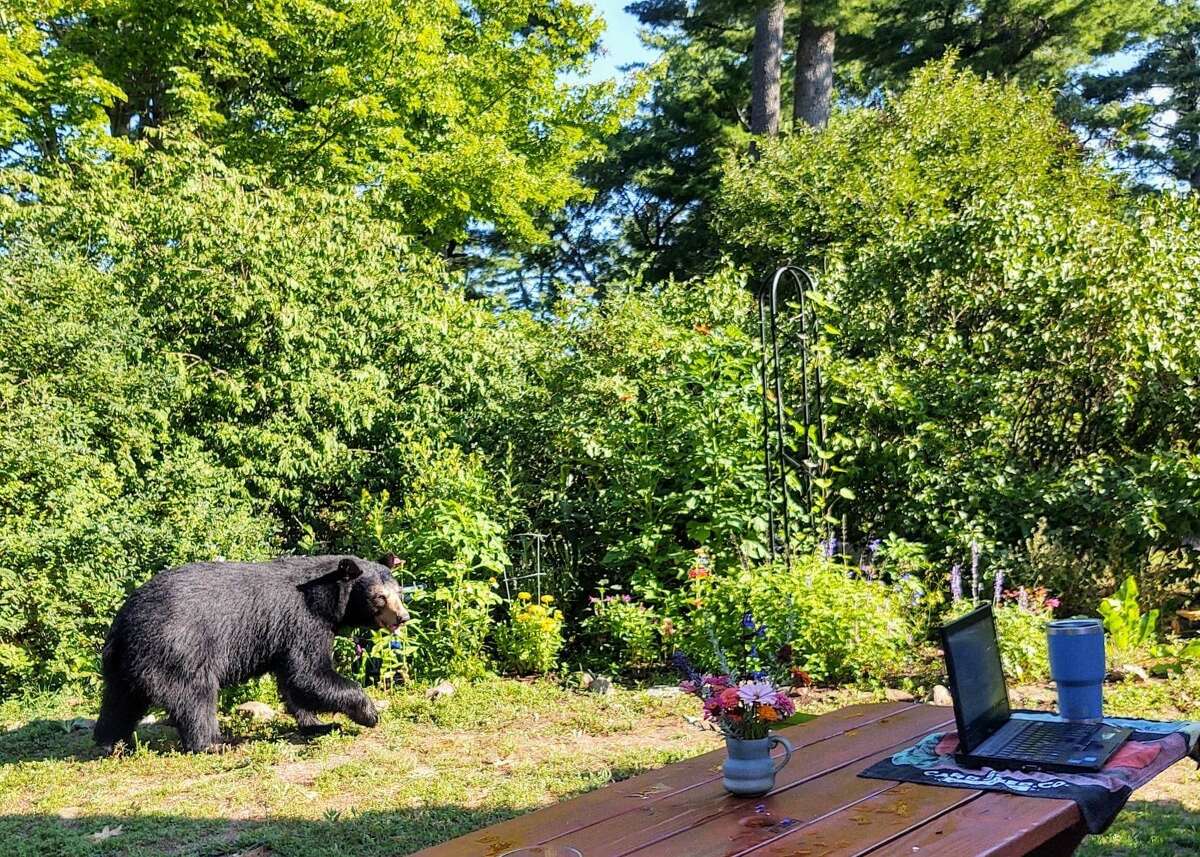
{"x":626,"y":598}
{"x":829,"y":547}
{"x":998,"y":589}
{"x":956,"y":582}
{"x":748,"y":621}
{"x":874,"y":545}
{"x":974,"y":571}
{"x":680,"y":661}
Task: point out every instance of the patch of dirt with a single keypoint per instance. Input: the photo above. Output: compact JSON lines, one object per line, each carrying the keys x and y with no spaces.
{"x":306,"y":773}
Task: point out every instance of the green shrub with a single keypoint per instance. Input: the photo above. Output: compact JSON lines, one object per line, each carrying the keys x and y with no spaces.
{"x":620,"y":635}
{"x":529,"y":643}
{"x":98,"y":487}
{"x":1014,"y":328}
{"x":837,"y":627}
{"x":648,"y":445}
{"x":1021,"y":619}
{"x":1129,"y":632}
{"x":443,"y":530}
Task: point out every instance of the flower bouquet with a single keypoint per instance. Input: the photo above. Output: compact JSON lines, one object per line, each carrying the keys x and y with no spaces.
{"x":744,"y":712}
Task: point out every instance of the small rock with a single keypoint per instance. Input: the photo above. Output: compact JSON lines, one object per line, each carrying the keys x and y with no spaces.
{"x":585,"y":680}
{"x":941,"y":696}
{"x":440,"y":690}
{"x":601,"y":685}
{"x":664,"y":690}
{"x":80,"y":724}
{"x":106,"y":833}
{"x":381,"y":704}
{"x":148,"y":720}
{"x":894,"y":694}
{"x":256,"y":710}
{"x":1128,"y":672}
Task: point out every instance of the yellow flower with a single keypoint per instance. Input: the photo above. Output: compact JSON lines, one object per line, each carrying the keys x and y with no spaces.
{"x":524,"y":596}
{"x":547,"y":599}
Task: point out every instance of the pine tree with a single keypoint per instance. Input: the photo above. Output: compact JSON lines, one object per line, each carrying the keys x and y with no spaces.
{"x":1149,"y":114}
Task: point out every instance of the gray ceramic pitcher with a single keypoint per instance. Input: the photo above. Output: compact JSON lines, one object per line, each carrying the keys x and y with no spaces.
{"x":749,"y":769}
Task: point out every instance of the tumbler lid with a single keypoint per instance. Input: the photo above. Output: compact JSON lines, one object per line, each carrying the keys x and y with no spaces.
{"x":1075,"y":626}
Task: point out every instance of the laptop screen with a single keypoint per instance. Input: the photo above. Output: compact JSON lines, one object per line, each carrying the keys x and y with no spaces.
{"x":976,"y":677}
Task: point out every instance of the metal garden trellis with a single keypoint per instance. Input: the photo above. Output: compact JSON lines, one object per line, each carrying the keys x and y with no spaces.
{"x":780,"y":457}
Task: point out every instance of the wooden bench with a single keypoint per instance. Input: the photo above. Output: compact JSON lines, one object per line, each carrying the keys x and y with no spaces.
{"x":819,"y":807}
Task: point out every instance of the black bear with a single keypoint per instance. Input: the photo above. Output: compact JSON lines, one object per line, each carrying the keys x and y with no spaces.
{"x":191,"y":630}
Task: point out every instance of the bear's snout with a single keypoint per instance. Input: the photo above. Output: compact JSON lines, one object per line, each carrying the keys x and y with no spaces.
{"x":390,"y":611}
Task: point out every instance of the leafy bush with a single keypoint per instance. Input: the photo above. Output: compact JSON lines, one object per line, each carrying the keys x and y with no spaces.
{"x":98,"y":488}
{"x":835,"y":627}
{"x":1014,"y":328}
{"x":1129,"y":632}
{"x":649,"y":443}
{"x":452,"y":548}
{"x":620,"y":635}
{"x":195,"y":365}
{"x":1021,"y":619}
{"x":530,"y":642}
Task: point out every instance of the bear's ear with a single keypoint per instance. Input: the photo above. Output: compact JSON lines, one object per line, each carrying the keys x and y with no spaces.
{"x":392,"y":561}
{"x":348,"y":569}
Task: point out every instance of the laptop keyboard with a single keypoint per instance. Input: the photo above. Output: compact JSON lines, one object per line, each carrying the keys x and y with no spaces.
{"x":1044,"y":740}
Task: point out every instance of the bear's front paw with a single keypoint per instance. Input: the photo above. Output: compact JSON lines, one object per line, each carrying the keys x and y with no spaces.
{"x":365,"y":714}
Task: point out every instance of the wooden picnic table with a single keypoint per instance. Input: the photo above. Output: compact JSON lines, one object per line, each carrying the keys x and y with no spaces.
{"x":820,"y":806}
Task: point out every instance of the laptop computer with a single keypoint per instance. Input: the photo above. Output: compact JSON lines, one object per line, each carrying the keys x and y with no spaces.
{"x":988,"y":735}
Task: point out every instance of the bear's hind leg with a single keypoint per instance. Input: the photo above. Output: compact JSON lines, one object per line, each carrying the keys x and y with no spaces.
{"x":194,"y":711}
{"x":121,"y":709}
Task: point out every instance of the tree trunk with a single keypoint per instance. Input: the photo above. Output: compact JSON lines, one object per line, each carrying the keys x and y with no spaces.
{"x":768,"y":61}
{"x":814,"y":75}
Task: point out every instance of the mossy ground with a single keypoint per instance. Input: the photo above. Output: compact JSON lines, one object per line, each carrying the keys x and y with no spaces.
{"x":432,"y":770}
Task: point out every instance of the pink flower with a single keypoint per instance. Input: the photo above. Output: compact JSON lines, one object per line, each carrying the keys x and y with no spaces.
{"x":712,"y":708}
{"x":719,"y":682}
{"x":730,"y":697}
{"x":783,"y":704}
{"x":1052,"y":603}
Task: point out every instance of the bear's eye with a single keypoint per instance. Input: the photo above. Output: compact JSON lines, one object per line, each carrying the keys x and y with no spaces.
{"x":379,"y":601}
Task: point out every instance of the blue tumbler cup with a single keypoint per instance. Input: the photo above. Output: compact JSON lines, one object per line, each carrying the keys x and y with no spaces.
{"x":1077,"y":667}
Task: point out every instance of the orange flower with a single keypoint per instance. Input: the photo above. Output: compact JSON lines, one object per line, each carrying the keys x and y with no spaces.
{"x":768,"y":713}
{"x":698,"y":571}
{"x":702,"y":329}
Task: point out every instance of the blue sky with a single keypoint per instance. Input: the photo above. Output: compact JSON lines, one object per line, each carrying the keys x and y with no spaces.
{"x":620,"y":45}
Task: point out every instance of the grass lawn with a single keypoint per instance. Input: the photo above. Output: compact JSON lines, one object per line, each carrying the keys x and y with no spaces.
{"x":429,"y":772}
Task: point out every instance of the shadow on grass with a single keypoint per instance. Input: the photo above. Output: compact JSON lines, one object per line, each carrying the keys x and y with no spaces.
{"x":1148,"y":828}
{"x":47,"y":740}
{"x":367,"y":834}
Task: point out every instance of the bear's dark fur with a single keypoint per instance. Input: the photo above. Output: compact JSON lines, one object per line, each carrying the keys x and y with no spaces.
{"x":192,"y":630}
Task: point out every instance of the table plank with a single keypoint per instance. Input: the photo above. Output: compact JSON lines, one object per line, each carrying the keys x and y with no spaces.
{"x":706,"y":820}
{"x":810,"y":789}
{"x":993,"y":825}
{"x":866,"y":826}
{"x":644,"y":790}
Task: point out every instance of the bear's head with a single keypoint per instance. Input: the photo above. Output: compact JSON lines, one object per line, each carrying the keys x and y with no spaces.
{"x":376,"y":600}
